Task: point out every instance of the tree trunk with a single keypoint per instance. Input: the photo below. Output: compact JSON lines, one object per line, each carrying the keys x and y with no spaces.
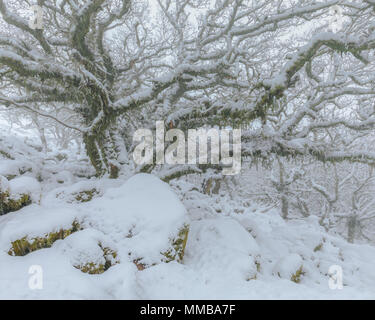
{"x":284,"y":207}
{"x":352,"y":224}
{"x":106,"y":149}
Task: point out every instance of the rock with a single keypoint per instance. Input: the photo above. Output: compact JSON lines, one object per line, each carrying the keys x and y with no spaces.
{"x":23,"y":246}
{"x":221,"y":247}
{"x":82,"y":191}
{"x":89,"y":251}
{"x":4,"y":194}
{"x":22,"y":186}
{"x":13,"y":168}
{"x":18,"y":193}
{"x":147,"y":220}
{"x":64,"y":176}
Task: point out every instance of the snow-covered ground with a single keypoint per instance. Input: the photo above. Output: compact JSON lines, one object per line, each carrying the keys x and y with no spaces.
{"x":249,"y":255}
{"x":127,"y":230}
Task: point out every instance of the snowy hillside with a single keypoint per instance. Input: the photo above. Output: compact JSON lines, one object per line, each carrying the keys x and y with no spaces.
{"x":139,"y":238}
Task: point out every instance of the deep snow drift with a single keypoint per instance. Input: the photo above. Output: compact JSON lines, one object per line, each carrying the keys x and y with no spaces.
{"x":248,"y":255}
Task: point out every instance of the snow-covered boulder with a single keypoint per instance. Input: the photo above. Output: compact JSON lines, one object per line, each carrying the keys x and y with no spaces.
{"x":81,"y":191}
{"x":18,"y":193}
{"x":22,"y":186}
{"x":36,"y":227}
{"x":145,"y":218}
{"x":222,"y":248}
{"x":14,"y":168}
{"x":290,"y":267}
{"x":26,"y":244}
{"x":89,"y":251}
{"x":4,"y":194}
{"x":64,"y":176}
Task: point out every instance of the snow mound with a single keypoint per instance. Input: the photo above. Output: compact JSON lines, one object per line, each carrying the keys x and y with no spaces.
{"x":34,"y":221}
{"x":25,"y":186}
{"x":222,"y":248}
{"x":13,"y":168}
{"x":143,"y":216}
{"x":287,"y":267}
{"x":64,"y":177}
{"x":81,"y":191}
{"x":89,"y":250}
